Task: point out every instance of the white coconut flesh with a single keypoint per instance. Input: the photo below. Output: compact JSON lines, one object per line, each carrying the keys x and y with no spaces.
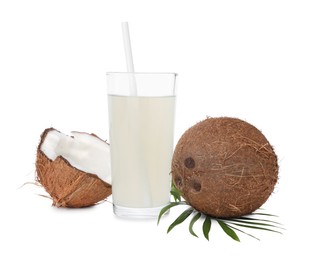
{"x":83,"y":151}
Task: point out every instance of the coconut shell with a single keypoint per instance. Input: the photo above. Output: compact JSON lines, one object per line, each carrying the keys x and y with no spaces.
{"x":225,"y":167}
{"x":67,"y":185}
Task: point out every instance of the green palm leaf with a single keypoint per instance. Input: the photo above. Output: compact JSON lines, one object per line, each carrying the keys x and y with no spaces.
{"x":234,"y":228}
{"x":251,"y":222}
{"x":229,"y":231}
{"x":262,"y":220}
{"x":191,"y":224}
{"x":166,"y":208}
{"x":229,"y":225}
{"x":254,"y":227}
{"x":176,"y":193}
{"x":206,"y":227}
{"x":181,"y":218}
{"x":264,"y":214}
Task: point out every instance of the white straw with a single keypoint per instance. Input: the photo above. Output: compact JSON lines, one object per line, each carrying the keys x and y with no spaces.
{"x":129,"y":58}
{"x":133,"y":92}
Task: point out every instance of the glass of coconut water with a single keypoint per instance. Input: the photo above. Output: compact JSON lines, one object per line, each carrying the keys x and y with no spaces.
{"x":141,"y":117}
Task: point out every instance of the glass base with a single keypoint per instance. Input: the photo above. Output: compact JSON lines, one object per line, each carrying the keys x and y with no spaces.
{"x":138,"y":213}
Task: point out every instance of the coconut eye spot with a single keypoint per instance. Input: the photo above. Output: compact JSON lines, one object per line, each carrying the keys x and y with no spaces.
{"x":196,"y":186}
{"x":189,"y":163}
{"x":178,"y":181}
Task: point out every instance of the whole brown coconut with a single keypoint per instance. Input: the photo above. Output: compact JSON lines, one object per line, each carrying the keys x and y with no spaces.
{"x":225,"y":167}
{"x":67,"y":185}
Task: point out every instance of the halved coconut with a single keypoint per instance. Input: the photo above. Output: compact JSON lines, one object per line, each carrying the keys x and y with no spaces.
{"x":74,"y":170}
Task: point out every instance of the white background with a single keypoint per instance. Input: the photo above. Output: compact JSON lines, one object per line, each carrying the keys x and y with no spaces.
{"x":256,"y":60}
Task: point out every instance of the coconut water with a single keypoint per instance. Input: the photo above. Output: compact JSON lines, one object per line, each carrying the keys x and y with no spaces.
{"x":141,"y":142}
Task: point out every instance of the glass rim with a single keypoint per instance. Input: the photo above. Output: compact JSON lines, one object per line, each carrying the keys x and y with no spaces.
{"x":142,"y":73}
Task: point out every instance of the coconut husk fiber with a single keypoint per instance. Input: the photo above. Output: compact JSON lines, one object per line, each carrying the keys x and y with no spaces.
{"x":225,"y":167}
